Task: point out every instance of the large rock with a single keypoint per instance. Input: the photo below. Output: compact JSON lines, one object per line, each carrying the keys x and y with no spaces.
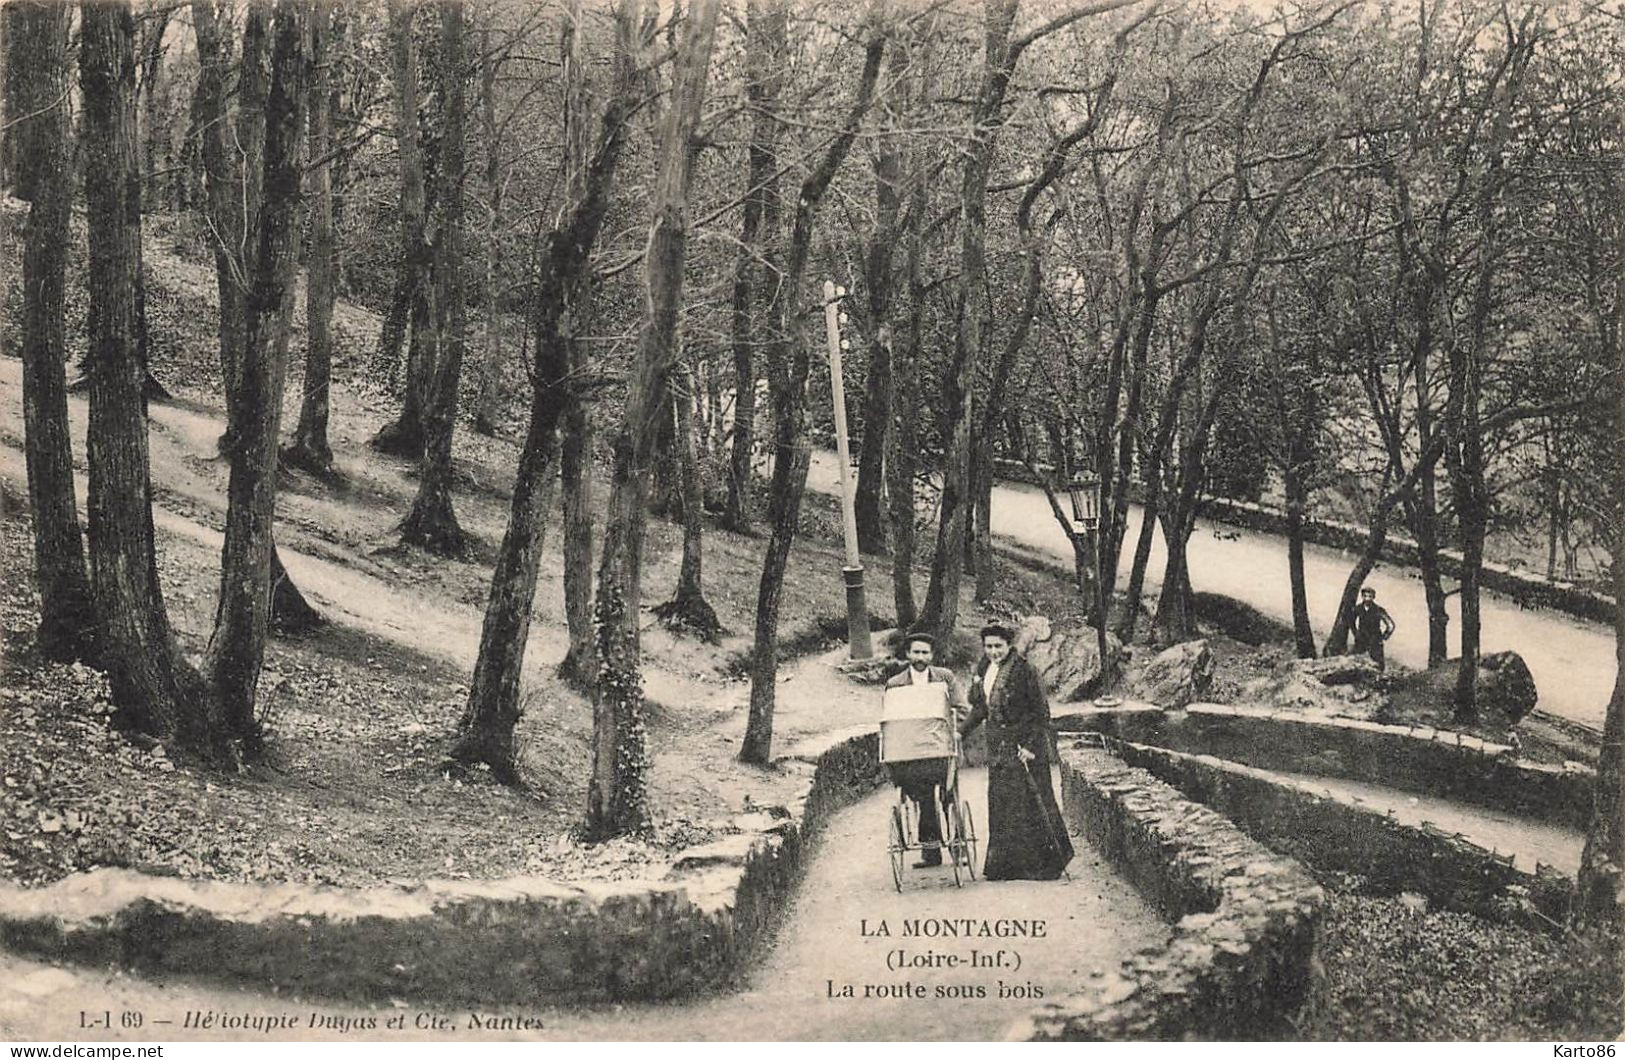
{"x":1180,"y":675}
{"x":1505,"y":686}
{"x":1358,"y":670}
{"x":1505,"y":695}
{"x":1347,"y":686}
{"x":1068,"y":661}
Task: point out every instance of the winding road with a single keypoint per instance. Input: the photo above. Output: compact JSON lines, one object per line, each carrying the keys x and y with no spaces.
{"x":1572,"y":660}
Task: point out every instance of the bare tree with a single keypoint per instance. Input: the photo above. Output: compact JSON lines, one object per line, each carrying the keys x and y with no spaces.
{"x":688,"y":609}
{"x":38,"y":126}
{"x":765,"y":48}
{"x":409,"y":309}
{"x":561,"y":294}
{"x":155,"y":690}
{"x":254,"y":406}
{"x":1003,"y":48}
{"x":310,"y":449}
{"x":616,"y":797}
{"x":790,"y":364}
{"x":432,"y":523}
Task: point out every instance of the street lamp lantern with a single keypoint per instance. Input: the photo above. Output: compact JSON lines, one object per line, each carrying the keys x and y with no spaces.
{"x":1085,"y":494}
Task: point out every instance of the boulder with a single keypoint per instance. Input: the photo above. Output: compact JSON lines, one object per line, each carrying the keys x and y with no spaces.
{"x":1067,"y":661}
{"x":1506,"y":690}
{"x":1348,"y":686}
{"x":1506,"y":687}
{"x":1178,"y":676}
{"x":1340,"y":670}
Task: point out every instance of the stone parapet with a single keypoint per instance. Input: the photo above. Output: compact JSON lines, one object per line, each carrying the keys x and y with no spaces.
{"x":1339,"y":834}
{"x":1411,"y":758}
{"x":1238,"y":961}
{"x":523,"y":939}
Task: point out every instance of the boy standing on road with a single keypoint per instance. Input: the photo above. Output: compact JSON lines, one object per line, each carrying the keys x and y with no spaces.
{"x":1372,"y":626}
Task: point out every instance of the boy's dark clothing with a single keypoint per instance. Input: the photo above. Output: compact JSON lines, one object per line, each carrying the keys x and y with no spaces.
{"x":1371,"y":625}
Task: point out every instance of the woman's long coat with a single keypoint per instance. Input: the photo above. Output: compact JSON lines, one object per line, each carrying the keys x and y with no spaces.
{"x":1026,"y":836}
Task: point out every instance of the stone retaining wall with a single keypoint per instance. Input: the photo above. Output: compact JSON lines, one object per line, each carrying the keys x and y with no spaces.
{"x":1338,"y":834}
{"x":1428,"y":761}
{"x":493,"y":941}
{"x":1239,"y":959}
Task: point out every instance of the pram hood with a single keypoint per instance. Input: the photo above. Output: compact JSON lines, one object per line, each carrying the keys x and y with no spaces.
{"x":916,"y":722}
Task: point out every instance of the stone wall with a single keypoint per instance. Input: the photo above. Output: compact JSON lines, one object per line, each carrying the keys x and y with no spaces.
{"x":1239,"y":960}
{"x":1341,"y":835}
{"x":1428,"y":761}
{"x":522,"y":939}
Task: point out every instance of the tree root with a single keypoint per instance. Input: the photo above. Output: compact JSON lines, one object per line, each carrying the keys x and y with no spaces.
{"x":691,"y":613}
{"x":470,"y":751}
{"x":291,"y":613}
{"x":400,"y":438}
{"x":318,"y":463}
{"x":434,"y":528}
{"x":576,"y":670}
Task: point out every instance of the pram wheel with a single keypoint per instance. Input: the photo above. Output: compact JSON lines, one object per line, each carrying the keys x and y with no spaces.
{"x":963,"y":846}
{"x":948,"y":816}
{"x":897,"y":846}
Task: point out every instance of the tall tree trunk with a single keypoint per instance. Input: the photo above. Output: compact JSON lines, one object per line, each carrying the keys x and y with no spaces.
{"x":432,"y":523}
{"x":903,"y":439}
{"x":792,"y":449}
{"x":617,"y":802}
{"x":188,"y":187}
{"x":870,"y":500}
{"x":1601,"y":898}
{"x":1303,"y":634}
{"x":486,"y":733}
{"x":688,"y":609}
{"x":764,"y":50}
{"x":237,"y":648}
{"x":153,"y":24}
{"x":310,"y":449}
{"x":232,"y":158}
{"x":490,"y":388}
{"x":1423,"y":508}
{"x":941,"y":611}
{"x":386,"y":358}
{"x":37,"y":109}
{"x":155,"y":690}
{"x":575,"y":467}
{"x":404,"y":437}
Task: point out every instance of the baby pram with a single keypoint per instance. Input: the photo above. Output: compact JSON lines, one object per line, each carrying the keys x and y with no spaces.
{"x":919,"y":748}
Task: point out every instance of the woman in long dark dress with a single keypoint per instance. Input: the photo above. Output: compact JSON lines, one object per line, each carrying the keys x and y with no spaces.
{"x":1026,"y":837}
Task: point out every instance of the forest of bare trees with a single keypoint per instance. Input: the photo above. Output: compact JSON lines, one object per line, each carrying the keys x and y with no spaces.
{"x":1361,"y":260}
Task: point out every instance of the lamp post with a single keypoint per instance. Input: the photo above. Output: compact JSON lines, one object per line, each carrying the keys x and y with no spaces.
{"x":1085,"y":494}
{"x":857,"y":608}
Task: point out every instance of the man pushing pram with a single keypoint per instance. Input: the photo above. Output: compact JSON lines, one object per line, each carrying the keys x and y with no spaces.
{"x":919,"y":747}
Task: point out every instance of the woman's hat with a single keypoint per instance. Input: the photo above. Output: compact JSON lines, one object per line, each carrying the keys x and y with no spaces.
{"x":996,"y":629}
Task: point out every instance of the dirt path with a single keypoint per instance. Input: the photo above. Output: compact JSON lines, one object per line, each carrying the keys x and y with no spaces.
{"x":1528,"y":841}
{"x":829,"y":941}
